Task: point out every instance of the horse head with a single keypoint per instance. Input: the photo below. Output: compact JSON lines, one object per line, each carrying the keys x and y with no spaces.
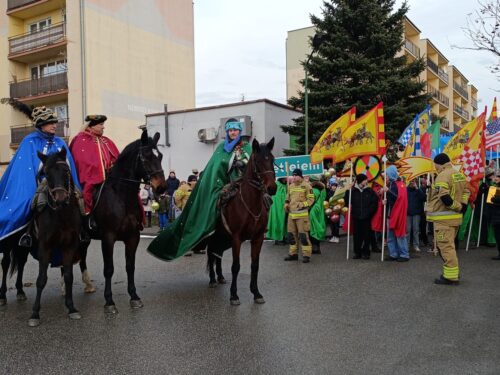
{"x":150,"y":162}
{"x":58,"y":177}
{"x":263,"y":164}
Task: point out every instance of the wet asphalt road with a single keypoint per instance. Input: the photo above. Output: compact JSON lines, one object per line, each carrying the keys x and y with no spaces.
{"x":331,"y":316}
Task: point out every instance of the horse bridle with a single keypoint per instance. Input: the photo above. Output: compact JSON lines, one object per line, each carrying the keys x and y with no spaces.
{"x":55,"y":189}
{"x":146,"y":178}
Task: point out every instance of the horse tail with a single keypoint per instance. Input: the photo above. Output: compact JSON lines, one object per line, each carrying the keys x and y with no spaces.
{"x":14,"y":261}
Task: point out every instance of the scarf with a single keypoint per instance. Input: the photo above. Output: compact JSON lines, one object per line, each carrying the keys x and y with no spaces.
{"x":229,"y":145}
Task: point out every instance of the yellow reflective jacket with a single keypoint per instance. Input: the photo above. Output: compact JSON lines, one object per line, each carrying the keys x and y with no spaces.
{"x":301,"y":198}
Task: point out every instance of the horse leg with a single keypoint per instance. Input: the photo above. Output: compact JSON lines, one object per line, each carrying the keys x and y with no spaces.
{"x":107,"y":255}
{"x":235,"y":269}
{"x":68,"y":256}
{"x":210,"y":264}
{"x":22,"y":258}
{"x":218,"y":270}
{"x":5,"y":271}
{"x":256,"y":246}
{"x":89,"y":287}
{"x":130,"y":250}
{"x":41,"y":281}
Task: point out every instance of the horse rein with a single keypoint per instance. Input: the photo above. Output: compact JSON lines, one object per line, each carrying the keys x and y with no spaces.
{"x":147,"y":177}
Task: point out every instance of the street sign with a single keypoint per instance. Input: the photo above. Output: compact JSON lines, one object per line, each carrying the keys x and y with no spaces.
{"x":300,"y":161}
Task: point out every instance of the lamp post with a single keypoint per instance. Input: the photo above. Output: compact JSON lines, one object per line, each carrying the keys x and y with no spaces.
{"x":316,"y":42}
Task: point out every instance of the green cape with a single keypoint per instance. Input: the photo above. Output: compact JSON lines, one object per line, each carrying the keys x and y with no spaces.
{"x":317,"y":215}
{"x":276,"y":225}
{"x":199,"y":218}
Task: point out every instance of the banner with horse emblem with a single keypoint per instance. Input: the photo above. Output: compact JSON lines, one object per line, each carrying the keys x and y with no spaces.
{"x":332,"y":137}
{"x":469,"y":135}
{"x":365,"y":136}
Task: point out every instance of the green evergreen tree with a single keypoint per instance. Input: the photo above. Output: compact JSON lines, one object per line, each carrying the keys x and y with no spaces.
{"x":357,"y":60}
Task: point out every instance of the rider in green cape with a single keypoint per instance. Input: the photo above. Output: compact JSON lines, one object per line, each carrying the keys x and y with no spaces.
{"x":276,"y":224}
{"x":199,"y":218}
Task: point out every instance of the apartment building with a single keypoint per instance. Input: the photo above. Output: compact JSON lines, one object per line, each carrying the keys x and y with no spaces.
{"x":453,"y":98}
{"x":121,"y":58}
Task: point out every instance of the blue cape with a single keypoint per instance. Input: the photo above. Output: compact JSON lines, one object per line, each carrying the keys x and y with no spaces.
{"x":18,"y":184}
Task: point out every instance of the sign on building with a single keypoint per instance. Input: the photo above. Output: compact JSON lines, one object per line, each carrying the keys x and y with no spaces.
{"x":299,"y":161}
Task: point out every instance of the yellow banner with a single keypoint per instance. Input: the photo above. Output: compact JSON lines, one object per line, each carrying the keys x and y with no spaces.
{"x":332,"y":137}
{"x":365,"y":136}
{"x":470,"y":135}
{"x":415,"y":166}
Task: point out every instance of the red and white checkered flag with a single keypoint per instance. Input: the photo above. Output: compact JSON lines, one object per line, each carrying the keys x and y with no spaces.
{"x":472,"y":164}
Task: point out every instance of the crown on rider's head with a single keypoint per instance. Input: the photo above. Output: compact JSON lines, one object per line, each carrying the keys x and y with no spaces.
{"x":95,"y":119}
{"x":43,"y":116}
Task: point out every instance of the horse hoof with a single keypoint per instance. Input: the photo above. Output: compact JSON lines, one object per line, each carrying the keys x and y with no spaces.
{"x":221,"y":281}
{"x":89,"y":289}
{"x":136,"y":304}
{"x":33,"y":322}
{"x":3,"y":302}
{"x":110,"y":309}
{"x":260,"y":300}
{"x":212,"y":285}
{"x":21,"y":297}
{"x":235,"y":302}
{"x":75,"y":316}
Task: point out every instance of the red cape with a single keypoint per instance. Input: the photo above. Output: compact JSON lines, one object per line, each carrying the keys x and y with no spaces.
{"x":378,"y":218}
{"x":93,"y":156}
{"x":397,"y":221}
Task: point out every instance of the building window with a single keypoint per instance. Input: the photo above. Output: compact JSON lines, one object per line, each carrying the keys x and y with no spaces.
{"x":49,"y":68}
{"x":39,"y":25}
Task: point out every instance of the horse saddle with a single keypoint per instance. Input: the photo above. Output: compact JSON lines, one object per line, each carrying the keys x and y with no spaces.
{"x":228,"y":192}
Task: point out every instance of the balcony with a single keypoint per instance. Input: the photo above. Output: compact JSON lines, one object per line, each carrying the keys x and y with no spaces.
{"x":412,"y":48}
{"x":48,"y":85}
{"x":445,"y":124}
{"x":443,"y":75}
{"x":42,"y":43}
{"x":17,"y":133}
{"x":473,"y":103}
{"x":461,"y":90}
{"x":437,"y":71}
{"x":436,"y":94}
{"x":13,"y":4}
{"x":460,"y":111}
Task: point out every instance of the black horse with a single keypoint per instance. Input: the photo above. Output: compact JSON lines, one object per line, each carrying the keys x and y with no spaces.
{"x":117,"y":211}
{"x":58,"y":224}
{"x":15,"y":257}
{"x":245,"y":218}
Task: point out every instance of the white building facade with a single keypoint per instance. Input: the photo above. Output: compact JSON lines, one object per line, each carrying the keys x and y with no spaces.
{"x":188,"y":138}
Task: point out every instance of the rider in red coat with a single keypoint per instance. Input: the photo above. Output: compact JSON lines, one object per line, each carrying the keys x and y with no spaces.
{"x":94,"y":155}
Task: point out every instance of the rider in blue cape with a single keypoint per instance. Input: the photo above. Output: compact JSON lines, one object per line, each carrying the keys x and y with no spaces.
{"x":19,"y":182}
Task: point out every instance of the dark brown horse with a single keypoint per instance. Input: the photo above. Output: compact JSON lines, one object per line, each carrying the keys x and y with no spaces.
{"x":59,"y":226}
{"x":15,"y":257}
{"x":117,"y":212}
{"x":244,"y":218}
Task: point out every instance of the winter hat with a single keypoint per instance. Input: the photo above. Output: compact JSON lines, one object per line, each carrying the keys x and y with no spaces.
{"x":392,"y":173}
{"x":95,"y":119}
{"x":297,"y":172}
{"x":43,"y":116}
{"x":441,"y":159}
{"x":360,"y":178}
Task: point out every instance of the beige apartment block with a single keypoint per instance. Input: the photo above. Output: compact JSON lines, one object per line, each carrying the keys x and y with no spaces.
{"x":121,"y":58}
{"x":453,"y":98}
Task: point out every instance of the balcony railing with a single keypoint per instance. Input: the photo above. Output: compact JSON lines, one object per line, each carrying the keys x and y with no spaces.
{"x":44,"y":85}
{"x":42,"y":38}
{"x":473,"y":103}
{"x":411,"y":47}
{"x":438,"y":95}
{"x":461,"y":90}
{"x":432,"y":66}
{"x":12,"y":4}
{"x":17,"y":133}
{"x":460,"y":111}
{"x":443,"y":75}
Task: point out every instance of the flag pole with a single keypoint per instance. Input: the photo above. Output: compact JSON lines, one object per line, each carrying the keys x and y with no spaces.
{"x":350,"y":213}
{"x":471,"y":221}
{"x":481,"y":215}
{"x":384,"y":159}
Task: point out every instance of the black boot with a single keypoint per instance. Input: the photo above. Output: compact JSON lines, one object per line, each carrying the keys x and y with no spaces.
{"x":444,"y":281}
{"x":292,"y":257}
{"x":316,"y":249}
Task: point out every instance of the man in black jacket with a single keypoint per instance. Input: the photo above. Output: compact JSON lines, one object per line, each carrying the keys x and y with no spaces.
{"x":363,"y":207}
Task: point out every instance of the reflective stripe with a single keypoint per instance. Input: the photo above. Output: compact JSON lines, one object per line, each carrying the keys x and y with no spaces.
{"x":297,"y":190}
{"x":310,"y":195}
{"x":444,"y":217}
{"x":442,"y":184}
{"x":458,"y":177}
{"x":299,"y":215}
{"x":450,"y":273}
{"x":455,"y":206}
{"x":305,"y":204}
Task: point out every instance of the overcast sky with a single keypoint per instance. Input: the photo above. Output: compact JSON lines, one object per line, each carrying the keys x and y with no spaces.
{"x":240,"y":45}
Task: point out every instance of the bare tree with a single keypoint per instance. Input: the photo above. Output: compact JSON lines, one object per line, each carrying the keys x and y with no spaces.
{"x":483,"y":29}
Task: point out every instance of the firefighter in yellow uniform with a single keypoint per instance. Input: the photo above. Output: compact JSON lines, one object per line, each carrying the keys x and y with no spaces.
{"x":448,"y":201}
{"x":299,"y":200}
